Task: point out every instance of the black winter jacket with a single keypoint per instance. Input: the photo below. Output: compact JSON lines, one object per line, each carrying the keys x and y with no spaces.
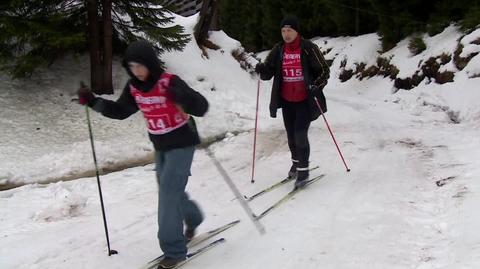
{"x":315,"y":71}
{"x":192,"y":102}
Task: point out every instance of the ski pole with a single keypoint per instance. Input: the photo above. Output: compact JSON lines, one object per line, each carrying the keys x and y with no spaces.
{"x":331,"y":133}
{"x":110,"y":251}
{"x":236,"y":192}
{"x":255,"y":134}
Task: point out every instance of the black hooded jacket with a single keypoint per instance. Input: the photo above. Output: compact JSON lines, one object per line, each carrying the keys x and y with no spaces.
{"x":315,"y":70}
{"x":192,"y":102}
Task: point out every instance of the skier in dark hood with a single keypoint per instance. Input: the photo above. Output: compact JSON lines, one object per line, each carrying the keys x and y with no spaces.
{"x":167,"y":103}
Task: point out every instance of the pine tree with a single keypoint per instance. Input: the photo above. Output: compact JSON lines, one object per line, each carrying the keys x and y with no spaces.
{"x":132,"y":18}
{"x":398,"y":20}
{"x":241,"y":19}
{"x":252,"y":13}
{"x":393,"y":20}
{"x":36,"y":32}
{"x":229,"y":17}
{"x":352,"y":17}
{"x":343,"y":16}
{"x":471,"y":19}
{"x":270,"y":25}
{"x":316,"y":19}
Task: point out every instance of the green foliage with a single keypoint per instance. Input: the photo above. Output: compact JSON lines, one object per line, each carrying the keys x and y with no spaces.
{"x":342,"y":14}
{"x":316,"y":21}
{"x":393,"y":20}
{"x":133,"y":18}
{"x":416,"y":45}
{"x":439,"y":19}
{"x":36,"y":32}
{"x":399,"y":19}
{"x":270,"y":24}
{"x":472,"y":17}
{"x":253,"y":14}
{"x":231,"y":17}
{"x":256,"y":23}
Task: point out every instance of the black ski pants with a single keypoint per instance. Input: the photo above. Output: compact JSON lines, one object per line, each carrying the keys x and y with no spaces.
{"x":296,"y":117}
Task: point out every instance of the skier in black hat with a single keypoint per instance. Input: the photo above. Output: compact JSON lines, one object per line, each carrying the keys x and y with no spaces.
{"x":299,"y":73}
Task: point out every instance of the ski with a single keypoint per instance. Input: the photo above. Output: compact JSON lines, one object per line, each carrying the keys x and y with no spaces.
{"x":207,"y":235}
{"x":200,"y":251}
{"x":192,"y":255}
{"x":272,"y":187}
{"x":288,"y":196}
{"x":195,"y":241}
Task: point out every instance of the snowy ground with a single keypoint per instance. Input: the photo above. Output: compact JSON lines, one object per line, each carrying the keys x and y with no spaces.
{"x":410,"y":200}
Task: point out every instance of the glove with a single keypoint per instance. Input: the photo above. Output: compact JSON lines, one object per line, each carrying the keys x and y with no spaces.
{"x":316,"y":90}
{"x":260,"y":68}
{"x":273,"y":112}
{"x":85,"y":95}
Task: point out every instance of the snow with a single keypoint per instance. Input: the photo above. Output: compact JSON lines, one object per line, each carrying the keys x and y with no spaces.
{"x":402,"y":58}
{"x":388,"y":212}
{"x":473,"y":67}
{"x":353,"y":50}
{"x":468,"y":43}
{"x":359,"y":49}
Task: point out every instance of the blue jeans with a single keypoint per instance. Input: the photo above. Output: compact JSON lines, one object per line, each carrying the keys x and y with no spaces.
{"x":174,"y":206}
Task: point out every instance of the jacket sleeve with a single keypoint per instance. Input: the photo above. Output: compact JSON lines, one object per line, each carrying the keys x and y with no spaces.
{"x":191,"y":101}
{"x":320,"y":66}
{"x":269,"y":64}
{"x":121,"y":109}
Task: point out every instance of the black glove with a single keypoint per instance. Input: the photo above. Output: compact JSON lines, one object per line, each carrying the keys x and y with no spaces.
{"x":273,"y":112}
{"x":260,"y":68}
{"x":85,"y":95}
{"x":316,"y":90}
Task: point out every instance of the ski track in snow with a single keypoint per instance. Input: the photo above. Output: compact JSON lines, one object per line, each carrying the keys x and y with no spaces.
{"x":388,"y":203}
{"x":383,"y":203}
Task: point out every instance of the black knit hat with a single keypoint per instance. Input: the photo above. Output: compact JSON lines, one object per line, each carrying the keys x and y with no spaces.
{"x":142,"y":52}
{"x":291,"y":22}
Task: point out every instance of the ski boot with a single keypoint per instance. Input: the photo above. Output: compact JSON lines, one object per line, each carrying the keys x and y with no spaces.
{"x":302,"y":177}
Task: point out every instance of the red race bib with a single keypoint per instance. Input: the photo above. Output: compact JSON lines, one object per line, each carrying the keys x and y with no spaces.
{"x":161,"y":113}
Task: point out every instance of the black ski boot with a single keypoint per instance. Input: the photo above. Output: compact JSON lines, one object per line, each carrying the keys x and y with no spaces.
{"x":168,"y":262}
{"x":292,"y":173}
{"x":189,"y":233}
{"x":191,"y":226}
{"x":302,"y":177}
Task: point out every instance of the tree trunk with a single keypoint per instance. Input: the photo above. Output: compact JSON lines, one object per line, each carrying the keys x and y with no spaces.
{"x":215,"y":24}
{"x":107,"y":86}
{"x":204,"y":21}
{"x":95,"y":53}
